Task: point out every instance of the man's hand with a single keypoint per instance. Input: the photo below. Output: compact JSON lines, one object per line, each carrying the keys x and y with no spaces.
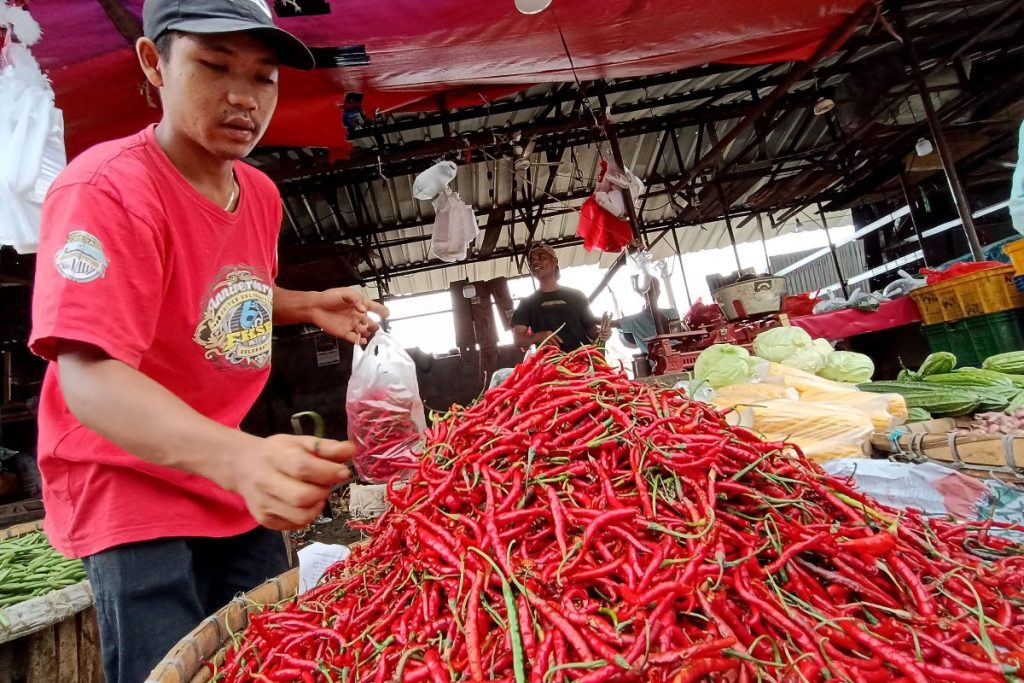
{"x":342,"y":312}
{"x":285,"y":479}
{"x":546,"y":337}
{"x":604,"y":329}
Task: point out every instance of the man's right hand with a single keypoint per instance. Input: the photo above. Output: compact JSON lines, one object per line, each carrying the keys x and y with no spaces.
{"x":285,"y":479}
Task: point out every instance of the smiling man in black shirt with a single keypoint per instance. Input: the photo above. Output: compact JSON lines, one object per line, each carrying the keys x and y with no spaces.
{"x":554,"y":313}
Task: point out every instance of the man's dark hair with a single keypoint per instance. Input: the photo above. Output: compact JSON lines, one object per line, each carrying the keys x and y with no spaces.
{"x":164,"y":42}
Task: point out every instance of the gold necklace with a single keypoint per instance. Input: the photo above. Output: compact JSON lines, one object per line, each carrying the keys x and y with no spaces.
{"x":234,"y":190}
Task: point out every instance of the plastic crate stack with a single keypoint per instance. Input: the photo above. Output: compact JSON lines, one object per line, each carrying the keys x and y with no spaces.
{"x":977,"y":315}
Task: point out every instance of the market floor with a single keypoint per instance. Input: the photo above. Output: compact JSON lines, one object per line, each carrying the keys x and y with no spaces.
{"x":337,"y":530}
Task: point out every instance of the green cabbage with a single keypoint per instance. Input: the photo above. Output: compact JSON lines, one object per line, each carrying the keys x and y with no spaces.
{"x":847,"y":366}
{"x":809,"y":359}
{"x":823,"y":346}
{"x":779,"y":343}
{"x":723,"y":364}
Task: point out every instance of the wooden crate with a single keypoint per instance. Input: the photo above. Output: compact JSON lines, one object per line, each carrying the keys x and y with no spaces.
{"x":21,"y":512}
{"x":67,"y":651}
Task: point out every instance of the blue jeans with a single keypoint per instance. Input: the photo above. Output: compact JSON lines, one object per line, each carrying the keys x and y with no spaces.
{"x":149,"y":595}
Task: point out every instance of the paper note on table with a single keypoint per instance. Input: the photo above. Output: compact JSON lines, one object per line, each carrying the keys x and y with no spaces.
{"x":314,"y":560}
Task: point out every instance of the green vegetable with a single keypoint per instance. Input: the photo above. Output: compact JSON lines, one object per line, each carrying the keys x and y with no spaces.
{"x":1016,"y":403}
{"x":809,"y":359}
{"x":847,"y":366}
{"x":30,"y":567}
{"x":918,"y":415}
{"x":1012,"y":363}
{"x":722,"y":365}
{"x":971,"y":377}
{"x":938,"y":399}
{"x":907,"y":376}
{"x":781,"y":343}
{"x":937,"y":363}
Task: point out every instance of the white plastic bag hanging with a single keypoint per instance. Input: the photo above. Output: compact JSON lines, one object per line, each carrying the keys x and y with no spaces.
{"x":434,"y":180}
{"x":455,"y":227}
{"x":609,"y":190}
{"x":31,"y":133}
{"x":385,"y":413}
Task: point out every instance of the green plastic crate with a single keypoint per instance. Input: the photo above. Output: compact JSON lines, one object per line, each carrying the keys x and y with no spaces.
{"x":996,"y":333}
{"x":954,"y":338}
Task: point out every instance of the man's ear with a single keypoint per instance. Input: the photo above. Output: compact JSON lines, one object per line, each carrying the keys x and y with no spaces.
{"x":149,"y":60}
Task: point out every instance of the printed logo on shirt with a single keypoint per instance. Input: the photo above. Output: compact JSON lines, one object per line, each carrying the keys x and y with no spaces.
{"x":81,"y":259}
{"x":237,"y":320}
{"x":553,"y":302}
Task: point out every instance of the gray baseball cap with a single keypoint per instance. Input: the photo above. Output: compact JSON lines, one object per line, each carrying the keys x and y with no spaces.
{"x":224,"y":16}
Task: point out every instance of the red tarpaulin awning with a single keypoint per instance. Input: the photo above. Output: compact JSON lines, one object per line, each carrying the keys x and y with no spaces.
{"x":418,"y":49}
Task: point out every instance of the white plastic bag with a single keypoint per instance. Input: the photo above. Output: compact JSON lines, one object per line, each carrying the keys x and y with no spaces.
{"x":385,"y":413}
{"x":904,"y":285}
{"x":31,"y":134}
{"x":455,"y":227}
{"x":608,"y":193}
{"x":434,"y":180}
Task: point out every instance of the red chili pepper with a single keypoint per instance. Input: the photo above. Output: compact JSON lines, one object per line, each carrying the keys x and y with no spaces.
{"x":650,"y":547}
{"x":874,"y":545}
{"x":698,"y":669}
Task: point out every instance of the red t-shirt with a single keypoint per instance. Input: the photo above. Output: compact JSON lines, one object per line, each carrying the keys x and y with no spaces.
{"x":134,"y":260}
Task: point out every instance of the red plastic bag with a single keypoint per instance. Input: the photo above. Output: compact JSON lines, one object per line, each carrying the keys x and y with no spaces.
{"x":958,"y":269}
{"x":799,"y":304}
{"x":601,"y":230}
{"x":704,"y":315}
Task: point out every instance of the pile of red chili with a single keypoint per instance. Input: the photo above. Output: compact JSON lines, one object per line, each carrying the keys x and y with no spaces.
{"x":574,"y":525}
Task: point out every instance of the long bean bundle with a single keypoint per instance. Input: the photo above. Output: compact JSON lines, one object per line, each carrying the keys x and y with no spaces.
{"x":574,"y":525}
{"x":30,"y":567}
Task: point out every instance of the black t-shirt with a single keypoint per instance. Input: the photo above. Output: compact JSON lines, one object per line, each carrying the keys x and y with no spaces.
{"x":564,"y":311}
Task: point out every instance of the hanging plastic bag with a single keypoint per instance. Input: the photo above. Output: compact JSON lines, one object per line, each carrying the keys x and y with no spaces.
{"x":385,"y":413}
{"x":600,"y":230}
{"x":602,"y":224}
{"x":31,"y":134}
{"x":455,"y":227}
{"x":434,"y":180}
{"x":610,"y":185}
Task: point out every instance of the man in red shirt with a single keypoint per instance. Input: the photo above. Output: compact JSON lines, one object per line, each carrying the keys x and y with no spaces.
{"x":155,"y":304}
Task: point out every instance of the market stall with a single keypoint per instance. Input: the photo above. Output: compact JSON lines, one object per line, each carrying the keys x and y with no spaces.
{"x":608,"y":531}
{"x":565,"y":521}
{"x":850,"y":323}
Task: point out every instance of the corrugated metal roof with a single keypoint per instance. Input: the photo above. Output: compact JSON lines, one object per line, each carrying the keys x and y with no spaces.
{"x":665,"y":126}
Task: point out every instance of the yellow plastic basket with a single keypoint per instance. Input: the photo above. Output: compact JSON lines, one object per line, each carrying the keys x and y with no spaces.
{"x":1015,"y":250}
{"x":988,"y":291}
{"x":927,"y":300}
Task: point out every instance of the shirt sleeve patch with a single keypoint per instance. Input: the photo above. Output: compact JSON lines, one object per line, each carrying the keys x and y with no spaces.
{"x":81,"y":259}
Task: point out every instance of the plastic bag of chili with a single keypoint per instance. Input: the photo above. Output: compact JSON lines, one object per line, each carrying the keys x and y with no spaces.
{"x":385,"y":413}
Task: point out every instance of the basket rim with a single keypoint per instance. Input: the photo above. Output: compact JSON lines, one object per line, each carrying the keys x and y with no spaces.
{"x":184,"y":662}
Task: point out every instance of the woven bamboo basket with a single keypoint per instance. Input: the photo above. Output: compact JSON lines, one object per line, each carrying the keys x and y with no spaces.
{"x":184,"y":663}
{"x":62,"y":647}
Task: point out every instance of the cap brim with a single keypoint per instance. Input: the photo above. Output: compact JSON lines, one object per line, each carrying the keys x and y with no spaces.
{"x":291,"y":51}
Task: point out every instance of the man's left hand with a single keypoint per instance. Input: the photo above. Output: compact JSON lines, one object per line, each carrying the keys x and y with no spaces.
{"x":343,"y":313}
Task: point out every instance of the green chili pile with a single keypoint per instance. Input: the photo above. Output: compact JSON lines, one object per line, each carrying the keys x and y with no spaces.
{"x":574,"y":525}
{"x":30,"y":567}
